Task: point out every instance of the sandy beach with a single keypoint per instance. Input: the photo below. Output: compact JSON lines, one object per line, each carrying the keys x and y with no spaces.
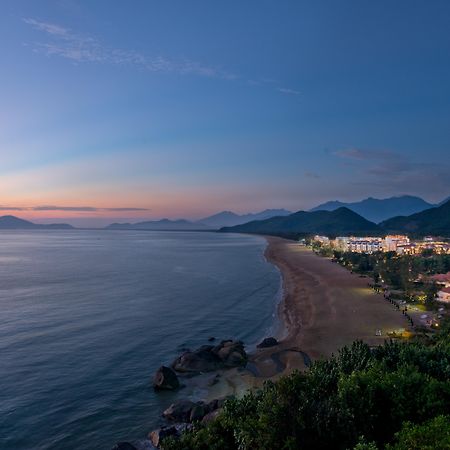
{"x":324,"y":308}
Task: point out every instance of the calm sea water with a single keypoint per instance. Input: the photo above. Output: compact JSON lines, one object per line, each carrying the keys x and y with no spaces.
{"x":87,"y":316}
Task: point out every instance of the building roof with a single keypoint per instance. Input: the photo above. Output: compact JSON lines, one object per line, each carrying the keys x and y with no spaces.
{"x":441,"y":277}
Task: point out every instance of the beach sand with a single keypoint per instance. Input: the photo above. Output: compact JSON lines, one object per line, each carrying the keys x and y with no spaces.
{"x":324,"y":308}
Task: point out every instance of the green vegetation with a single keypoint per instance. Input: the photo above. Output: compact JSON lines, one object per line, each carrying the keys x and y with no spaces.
{"x":396,"y":397}
{"x":404,"y":273}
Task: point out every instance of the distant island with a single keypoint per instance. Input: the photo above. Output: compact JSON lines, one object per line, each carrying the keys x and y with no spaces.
{"x":14,"y":223}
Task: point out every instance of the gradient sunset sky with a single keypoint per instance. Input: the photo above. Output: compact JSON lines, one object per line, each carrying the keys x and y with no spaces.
{"x":114,"y":110}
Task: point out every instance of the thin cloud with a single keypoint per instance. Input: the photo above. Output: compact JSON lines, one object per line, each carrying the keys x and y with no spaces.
{"x":395,"y":172}
{"x":70,"y":208}
{"x":126,"y":209}
{"x":64,"y":43}
{"x":11,"y":208}
{"x":63,"y":208}
{"x":83,"y":208}
{"x":364,"y":155}
{"x":288,"y":91}
{"x":312,"y":175}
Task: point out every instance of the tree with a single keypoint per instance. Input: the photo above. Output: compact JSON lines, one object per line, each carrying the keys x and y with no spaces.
{"x":431,"y":435}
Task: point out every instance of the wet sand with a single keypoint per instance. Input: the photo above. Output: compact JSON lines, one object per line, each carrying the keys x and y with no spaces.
{"x":324,"y":308}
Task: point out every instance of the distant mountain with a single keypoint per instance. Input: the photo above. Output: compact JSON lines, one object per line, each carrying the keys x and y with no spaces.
{"x":161,"y":225}
{"x":14,"y":223}
{"x":434,"y":221}
{"x":229,"y":219}
{"x":377,"y":210}
{"x":443,"y":201}
{"x":342,"y":221}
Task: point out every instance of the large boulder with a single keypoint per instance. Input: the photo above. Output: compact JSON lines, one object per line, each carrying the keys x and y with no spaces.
{"x":165,"y":378}
{"x":211,"y":416}
{"x":124,"y":446}
{"x":157,"y":436}
{"x":180,"y":411}
{"x":197,"y":413}
{"x":231,"y":353}
{"x":200,"y":360}
{"x":267,"y":342}
{"x":209,"y":358}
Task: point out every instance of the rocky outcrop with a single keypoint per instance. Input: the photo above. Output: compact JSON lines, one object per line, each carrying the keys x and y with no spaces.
{"x":157,"y":436}
{"x":179,"y":411}
{"x":208,"y":358}
{"x":267,"y":342}
{"x":165,"y":378}
{"x":186,"y":411}
{"x":124,"y":446}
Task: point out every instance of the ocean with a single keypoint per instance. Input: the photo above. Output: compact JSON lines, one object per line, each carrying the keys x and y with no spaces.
{"x":88,"y":316}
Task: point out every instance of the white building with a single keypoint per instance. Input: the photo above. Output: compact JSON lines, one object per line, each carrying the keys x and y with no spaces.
{"x":444,"y":295}
{"x":391,"y":242}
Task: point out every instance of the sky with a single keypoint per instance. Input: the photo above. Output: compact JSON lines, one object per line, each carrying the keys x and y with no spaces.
{"x":158,"y":108}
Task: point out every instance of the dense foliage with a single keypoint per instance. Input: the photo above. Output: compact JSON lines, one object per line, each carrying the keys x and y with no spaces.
{"x":405,"y":273}
{"x":363,"y":398}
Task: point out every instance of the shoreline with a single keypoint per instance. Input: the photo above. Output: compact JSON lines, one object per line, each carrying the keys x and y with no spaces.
{"x":323,"y":308}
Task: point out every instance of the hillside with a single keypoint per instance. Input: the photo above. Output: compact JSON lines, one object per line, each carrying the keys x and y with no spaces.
{"x":15,"y":223}
{"x":435,"y":221}
{"x":342,"y":221}
{"x":230,"y":219}
{"x":377,"y":210}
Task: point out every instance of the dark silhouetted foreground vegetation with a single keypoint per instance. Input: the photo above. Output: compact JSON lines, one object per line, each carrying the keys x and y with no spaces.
{"x":394,"y":397}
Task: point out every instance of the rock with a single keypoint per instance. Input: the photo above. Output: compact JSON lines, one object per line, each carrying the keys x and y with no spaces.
{"x":201,"y":360}
{"x":235,"y":359}
{"x":124,"y":446}
{"x":214,"y":380}
{"x":267,"y":342}
{"x":197,"y":413}
{"x":208,"y":358}
{"x":165,"y":378}
{"x":179,"y":411}
{"x":157,"y":436}
{"x":211,"y":416}
{"x":211,"y":339}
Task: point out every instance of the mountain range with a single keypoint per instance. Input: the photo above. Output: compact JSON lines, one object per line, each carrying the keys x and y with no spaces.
{"x":376,"y":210}
{"x":433,"y":221}
{"x":344,"y":221}
{"x":341,"y":221}
{"x":14,"y":223}
{"x":229,"y":219}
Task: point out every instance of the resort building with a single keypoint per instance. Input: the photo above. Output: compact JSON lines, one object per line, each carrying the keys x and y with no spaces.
{"x":391,"y":242}
{"x":366,"y":245}
{"x":416,"y":248}
{"x":442,"y":279}
{"x":444,"y":295}
{"x":324,"y":240}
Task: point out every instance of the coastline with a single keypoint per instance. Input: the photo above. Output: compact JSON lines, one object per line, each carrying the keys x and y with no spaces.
{"x":323,"y":308}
